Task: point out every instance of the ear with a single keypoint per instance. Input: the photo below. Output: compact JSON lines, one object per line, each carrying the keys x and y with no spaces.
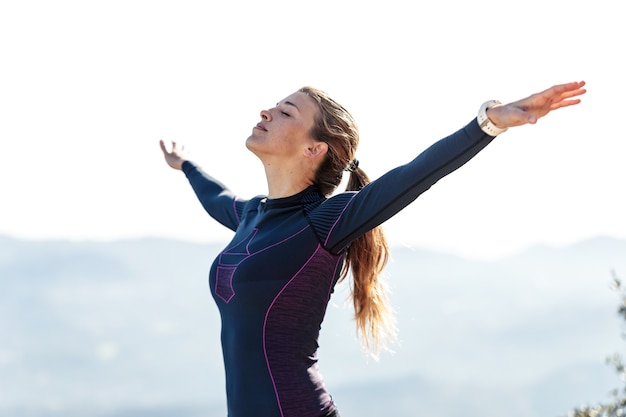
{"x":316,"y":150}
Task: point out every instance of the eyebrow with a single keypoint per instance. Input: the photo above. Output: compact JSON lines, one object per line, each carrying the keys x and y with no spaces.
{"x":289,"y":103}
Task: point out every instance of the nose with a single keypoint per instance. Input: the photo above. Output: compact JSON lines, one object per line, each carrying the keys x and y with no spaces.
{"x":266,"y":115}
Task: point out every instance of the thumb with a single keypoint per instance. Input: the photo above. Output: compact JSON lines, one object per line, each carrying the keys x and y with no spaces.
{"x":520,"y":117}
{"x":531,"y":119}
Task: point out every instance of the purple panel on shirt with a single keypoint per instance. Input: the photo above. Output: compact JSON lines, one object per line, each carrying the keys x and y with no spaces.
{"x":292,"y":327}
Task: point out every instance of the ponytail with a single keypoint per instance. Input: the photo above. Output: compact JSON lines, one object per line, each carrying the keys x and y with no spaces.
{"x":367,"y":255}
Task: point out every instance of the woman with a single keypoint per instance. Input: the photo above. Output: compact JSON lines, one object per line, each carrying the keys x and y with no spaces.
{"x":272,"y":283}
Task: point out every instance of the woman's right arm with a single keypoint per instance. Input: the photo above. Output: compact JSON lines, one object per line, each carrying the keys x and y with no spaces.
{"x":215,"y":197}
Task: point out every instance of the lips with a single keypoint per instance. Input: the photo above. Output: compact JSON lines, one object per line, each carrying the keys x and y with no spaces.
{"x":261,"y":127}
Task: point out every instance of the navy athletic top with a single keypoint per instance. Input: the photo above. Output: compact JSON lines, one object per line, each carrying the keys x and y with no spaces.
{"x":273,"y":281}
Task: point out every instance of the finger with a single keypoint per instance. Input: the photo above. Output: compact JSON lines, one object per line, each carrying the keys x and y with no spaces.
{"x":575,"y":85}
{"x":567,"y":90}
{"x":574,"y":93}
{"x":564,"y":103}
{"x":558,"y":90}
{"x":162,"y":144}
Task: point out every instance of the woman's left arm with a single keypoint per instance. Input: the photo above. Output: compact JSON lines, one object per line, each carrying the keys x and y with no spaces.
{"x":383,"y":198}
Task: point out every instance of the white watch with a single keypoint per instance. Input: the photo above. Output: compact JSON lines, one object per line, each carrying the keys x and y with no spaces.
{"x":483,"y":121}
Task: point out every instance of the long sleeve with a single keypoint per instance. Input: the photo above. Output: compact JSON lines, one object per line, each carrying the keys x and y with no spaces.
{"x":215,"y":197}
{"x":386,"y":196}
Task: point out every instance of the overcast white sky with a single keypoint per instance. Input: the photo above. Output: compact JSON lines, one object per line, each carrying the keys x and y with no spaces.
{"x":88,"y":88}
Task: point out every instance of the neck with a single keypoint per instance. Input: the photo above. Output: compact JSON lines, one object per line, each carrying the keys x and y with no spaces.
{"x":285,"y":181}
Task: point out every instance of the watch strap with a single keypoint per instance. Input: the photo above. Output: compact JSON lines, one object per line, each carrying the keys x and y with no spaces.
{"x":485,"y":124}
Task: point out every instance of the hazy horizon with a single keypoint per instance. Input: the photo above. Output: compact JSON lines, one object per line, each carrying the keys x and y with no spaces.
{"x":129,"y":328}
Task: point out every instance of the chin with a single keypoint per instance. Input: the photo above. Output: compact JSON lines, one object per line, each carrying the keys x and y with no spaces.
{"x":250,"y":144}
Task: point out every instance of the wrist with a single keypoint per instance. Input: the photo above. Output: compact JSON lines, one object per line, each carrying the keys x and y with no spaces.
{"x":485,"y":122}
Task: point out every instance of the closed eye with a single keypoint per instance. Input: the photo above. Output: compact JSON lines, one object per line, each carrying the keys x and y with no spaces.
{"x":285,"y":113}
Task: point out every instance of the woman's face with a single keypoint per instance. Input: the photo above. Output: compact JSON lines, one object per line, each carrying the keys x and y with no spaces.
{"x":284,"y":130}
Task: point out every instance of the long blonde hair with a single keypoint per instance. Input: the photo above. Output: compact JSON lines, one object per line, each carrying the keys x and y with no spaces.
{"x":367,"y":255}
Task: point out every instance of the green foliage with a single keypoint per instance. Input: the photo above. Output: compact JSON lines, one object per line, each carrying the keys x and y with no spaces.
{"x":617,"y":406}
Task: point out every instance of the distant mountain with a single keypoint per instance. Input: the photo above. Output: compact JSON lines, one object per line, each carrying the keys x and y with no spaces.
{"x":128,"y":328}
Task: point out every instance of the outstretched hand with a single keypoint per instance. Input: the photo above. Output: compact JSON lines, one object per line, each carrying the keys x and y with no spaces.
{"x":534,"y":107}
{"x":174,"y":156}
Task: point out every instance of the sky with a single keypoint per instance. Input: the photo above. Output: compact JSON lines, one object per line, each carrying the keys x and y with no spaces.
{"x":87,"y":89}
